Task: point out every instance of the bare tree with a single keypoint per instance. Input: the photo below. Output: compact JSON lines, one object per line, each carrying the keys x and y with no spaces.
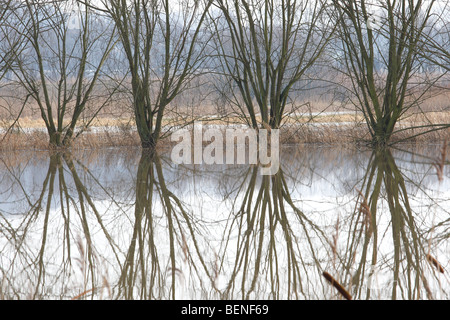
{"x":65,"y":49}
{"x":436,"y":43}
{"x":5,"y":12}
{"x":9,"y":42}
{"x":160,"y":39}
{"x":381,"y":41}
{"x":266,"y":47}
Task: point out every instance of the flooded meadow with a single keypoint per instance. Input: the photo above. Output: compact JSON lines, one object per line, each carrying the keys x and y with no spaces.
{"x":123,"y":224}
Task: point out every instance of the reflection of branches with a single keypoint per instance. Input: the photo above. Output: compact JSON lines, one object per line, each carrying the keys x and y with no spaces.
{"x":158,"y":208}
{"x":261,"y":242}
{"x":17,"y":235}
{"x":83,"y":196}
{"x":384,"y":184}
{"x":55,"y":243}
{"x":267,"y":215}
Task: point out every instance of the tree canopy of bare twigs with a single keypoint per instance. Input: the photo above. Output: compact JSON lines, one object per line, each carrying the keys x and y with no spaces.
{"x":5,"y":11}
{"x":265,"y":48}
{"x":436,"y":43}
{"x":382,"y":44}
{"x":160,"y":42}
{"x":59,"y":62}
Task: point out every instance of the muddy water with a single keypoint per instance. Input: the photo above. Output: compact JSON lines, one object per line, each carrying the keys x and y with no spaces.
{"x":116,"y":224}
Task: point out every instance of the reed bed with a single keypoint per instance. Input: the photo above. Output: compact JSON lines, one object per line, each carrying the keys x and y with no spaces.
{"x":336,"y":129}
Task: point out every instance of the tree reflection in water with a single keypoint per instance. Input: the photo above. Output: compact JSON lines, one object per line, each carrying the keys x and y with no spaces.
{"x":153,"y":230}
{"x":48,"y":251}
{"x":385,"y":217}
{"x":164,"y":238}
{"x":267,"y":227}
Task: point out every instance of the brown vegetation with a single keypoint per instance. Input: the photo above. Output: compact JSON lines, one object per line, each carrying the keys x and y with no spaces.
{"x":337,"y":285}
{"x":337,"y":128}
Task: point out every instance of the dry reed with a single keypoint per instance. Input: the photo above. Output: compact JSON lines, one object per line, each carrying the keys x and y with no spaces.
{"x":335,"y":240}
{"x":337,"y":285}
{"x":440,"y":162}
{"x":365,"y":210}
{"x":435,"y":263}
{"x":123,"y":134}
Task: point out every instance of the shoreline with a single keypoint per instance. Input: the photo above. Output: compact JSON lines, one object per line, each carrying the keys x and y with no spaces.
{"x":335,"y":133}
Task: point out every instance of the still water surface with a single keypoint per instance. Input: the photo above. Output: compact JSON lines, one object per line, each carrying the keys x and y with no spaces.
{"x":116,"y":224}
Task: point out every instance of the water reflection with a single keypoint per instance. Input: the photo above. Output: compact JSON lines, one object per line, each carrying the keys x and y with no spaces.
{"x":270,"y":250}
{"x":126,"y":225}
{"x":48,"y":250}
{"x":163,"y":248}
{"x":403,"y":271}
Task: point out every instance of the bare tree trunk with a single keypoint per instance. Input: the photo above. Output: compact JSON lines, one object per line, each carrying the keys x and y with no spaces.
{"x":160,"y":41}
{"x":380,"y":44}
{"x":266,"y":47}
{"x":61,"y":62}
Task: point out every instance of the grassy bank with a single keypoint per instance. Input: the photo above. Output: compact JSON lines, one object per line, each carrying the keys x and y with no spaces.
{"x":325,"y":128}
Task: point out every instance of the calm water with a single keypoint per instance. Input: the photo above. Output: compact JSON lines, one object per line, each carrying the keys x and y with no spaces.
{"x":121,"y":225}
